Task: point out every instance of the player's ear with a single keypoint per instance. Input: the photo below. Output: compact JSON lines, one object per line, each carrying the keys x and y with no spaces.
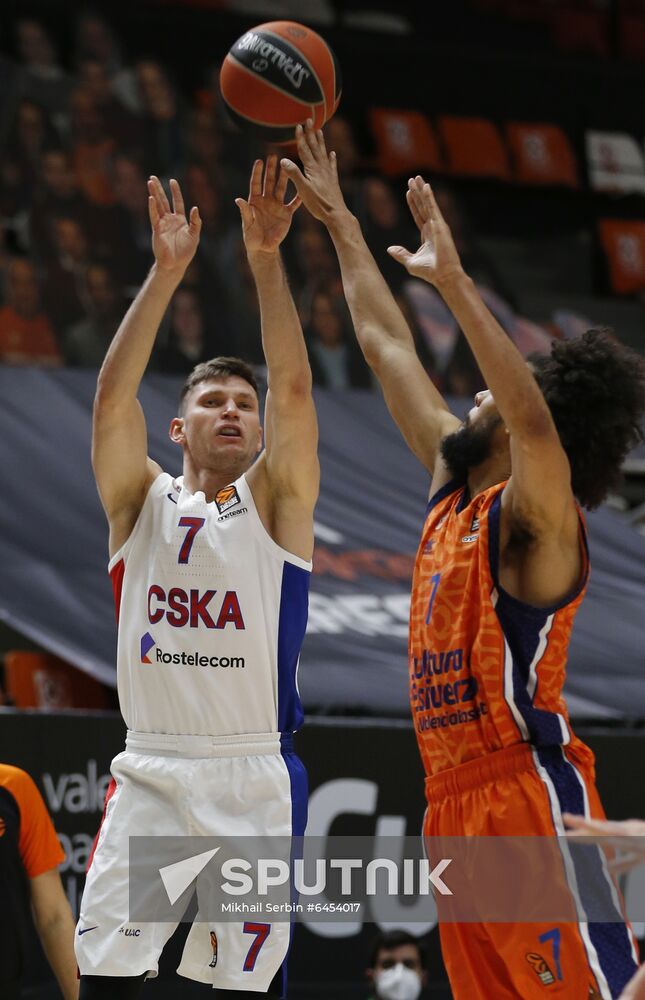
{"x":176,"y":430}
{"x":260,"y":441}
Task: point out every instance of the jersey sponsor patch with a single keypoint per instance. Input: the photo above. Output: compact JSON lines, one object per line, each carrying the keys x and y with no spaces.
{"x":226,"y":497}
{"x":540,"y":968}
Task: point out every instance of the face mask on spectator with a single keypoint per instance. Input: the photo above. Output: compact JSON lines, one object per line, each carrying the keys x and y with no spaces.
{"x":398,"y":983}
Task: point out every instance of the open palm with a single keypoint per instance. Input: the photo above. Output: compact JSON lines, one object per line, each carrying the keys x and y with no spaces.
{"x":437,"y":257}
{"x":174,"y":237}
{"x":266,"y":217}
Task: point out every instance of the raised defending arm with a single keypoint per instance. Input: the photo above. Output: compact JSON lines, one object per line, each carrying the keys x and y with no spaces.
{"x":419,"y":410}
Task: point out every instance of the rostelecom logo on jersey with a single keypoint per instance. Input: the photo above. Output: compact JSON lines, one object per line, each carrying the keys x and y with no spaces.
{"x":147,"y":642}
{"x":186,"y":659}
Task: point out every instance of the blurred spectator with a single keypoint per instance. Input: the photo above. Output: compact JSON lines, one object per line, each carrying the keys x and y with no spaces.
{"x":188,"y":344}
{"x":339,"y":136}
{"x":65,"y":293}
{"x":43,"y":80}
{"x":396,"y":969}
{"x":462,"y":376}
{"x":127,"y":223}
{"x":384,"y":224}
{"x":95,"y":39}
{"x":92,"y":148}
{"x":162,"y":126}
{"x":201,"y":191}
{"x":204,"y":141}
{"x":20,"y":162}
{"x":87,"y":341}
{"x":57,"y":194}
{"x":120,"y":123}
{"x":476,"y":262}
{"x":315,"y":258}
{"x":245,"y":337}
{"x":423,"y":349}
{"x":438,"y":327}
{"x":26,"y":336}
{"x":336,"y":362}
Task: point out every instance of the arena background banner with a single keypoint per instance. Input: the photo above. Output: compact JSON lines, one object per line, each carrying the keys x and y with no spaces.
{"x":365,"y":779}
{"x":54,"y":586}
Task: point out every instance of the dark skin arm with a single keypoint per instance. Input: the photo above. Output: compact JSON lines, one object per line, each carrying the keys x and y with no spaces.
{"x":418,"y":409}
{"x":540,"y":553}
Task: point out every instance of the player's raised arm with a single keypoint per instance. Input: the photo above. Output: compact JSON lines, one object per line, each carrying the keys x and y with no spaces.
{"x":383,"y":334}
{"x":119,"y":441}
{"x":291,"y":430}
{"x":537,"y":455}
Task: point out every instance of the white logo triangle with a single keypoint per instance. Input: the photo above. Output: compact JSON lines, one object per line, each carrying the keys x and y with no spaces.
{"x":178,"y":876}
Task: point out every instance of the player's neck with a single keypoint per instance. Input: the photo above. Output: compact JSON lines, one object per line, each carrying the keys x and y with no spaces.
{"x":210,"y":481}
{"x":491,"y":472}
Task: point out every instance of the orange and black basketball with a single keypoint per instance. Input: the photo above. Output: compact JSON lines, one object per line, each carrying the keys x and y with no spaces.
{"x":276,"y":76}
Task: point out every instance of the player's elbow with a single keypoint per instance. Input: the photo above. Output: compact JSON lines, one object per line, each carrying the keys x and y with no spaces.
{"x":292,"y":389}
{"x":107,"y":400}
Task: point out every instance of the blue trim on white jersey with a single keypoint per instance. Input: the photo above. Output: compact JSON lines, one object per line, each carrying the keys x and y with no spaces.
{"x":292,"y":623}
{"x":299,"y":802}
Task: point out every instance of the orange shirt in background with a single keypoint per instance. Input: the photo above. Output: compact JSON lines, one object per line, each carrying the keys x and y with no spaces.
{"x":27,"y":341}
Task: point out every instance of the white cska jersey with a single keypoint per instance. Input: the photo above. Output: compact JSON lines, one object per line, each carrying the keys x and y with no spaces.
{"x":212,"y":614}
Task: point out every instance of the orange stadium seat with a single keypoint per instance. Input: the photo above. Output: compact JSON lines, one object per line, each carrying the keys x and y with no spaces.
{"x":405,"y":141}
{"x":542,"y":154}
{"x":474,"y":147}
{"x":41,"y":680}
{"x":624,"y":244}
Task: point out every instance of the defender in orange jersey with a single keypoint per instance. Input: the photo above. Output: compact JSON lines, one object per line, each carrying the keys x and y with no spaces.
{"x":500,"y":573}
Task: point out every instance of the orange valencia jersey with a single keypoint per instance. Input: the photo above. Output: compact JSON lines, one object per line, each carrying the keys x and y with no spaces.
{"x":486,"y":670}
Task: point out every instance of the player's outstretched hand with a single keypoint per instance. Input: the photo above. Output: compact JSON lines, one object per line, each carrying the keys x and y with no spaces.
{"x":318,"y":185}
{"x":627,"y":836}
{"x":266,"y":217}
{"x":437,"y":259}
{"x":174,"y":237}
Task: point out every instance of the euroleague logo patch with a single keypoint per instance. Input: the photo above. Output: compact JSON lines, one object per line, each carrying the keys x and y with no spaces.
{"x":226,"y":497}
{"x":540,"y":968}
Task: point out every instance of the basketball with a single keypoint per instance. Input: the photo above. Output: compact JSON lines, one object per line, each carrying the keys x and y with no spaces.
{"x":276,"y":76}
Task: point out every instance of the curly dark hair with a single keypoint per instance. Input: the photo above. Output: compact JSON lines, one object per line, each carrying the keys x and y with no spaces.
{"x":595,"y":389}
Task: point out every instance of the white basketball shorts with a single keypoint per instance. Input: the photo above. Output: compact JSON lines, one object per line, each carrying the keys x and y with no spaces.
{"x":250,"y":785}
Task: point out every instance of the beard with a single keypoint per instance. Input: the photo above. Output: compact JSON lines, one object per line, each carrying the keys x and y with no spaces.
{"x":468,"y":447}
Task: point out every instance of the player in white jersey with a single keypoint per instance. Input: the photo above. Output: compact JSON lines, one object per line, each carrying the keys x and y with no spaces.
{"x":210,"y":573}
